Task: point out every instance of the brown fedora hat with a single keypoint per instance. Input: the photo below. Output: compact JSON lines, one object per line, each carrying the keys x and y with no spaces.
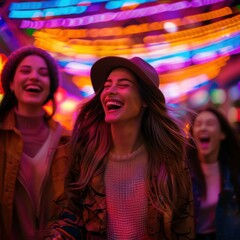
{"x":104,"y":66}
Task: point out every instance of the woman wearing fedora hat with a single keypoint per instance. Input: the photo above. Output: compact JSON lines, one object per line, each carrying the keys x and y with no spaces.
{"x":128,"y":178}
{"x":33,"y":147}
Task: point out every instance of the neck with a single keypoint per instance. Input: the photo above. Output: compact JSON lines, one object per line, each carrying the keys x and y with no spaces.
{"x":209,"y":158}
{"x":29,"y":122}
{"x":32,"y":111}
{"x":126,"y":138}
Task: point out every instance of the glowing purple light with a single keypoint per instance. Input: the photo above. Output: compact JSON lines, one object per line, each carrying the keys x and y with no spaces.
{"x":123,"y":15}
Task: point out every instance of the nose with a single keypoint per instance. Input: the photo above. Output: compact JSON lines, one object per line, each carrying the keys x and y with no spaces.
{"x":33,"y":75}
{"x":112,"y":89}
{"x":202,"y":126}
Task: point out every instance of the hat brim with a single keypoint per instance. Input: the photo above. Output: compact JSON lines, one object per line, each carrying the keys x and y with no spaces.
{"x":103,"y":67}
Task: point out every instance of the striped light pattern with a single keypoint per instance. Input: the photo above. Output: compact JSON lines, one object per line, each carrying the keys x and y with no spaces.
{"x":188,"y":55}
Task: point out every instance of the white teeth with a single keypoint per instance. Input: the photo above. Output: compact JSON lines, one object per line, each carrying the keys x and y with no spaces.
{"x":113,"y":103}
{"x":32,"y":88}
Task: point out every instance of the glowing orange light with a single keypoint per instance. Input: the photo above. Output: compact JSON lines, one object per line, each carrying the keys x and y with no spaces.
{"x":60,"y":95}
{"x":3,"y":59}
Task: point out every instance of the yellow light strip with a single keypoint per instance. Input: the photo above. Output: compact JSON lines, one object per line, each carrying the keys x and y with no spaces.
{"x":215,"y":30}
{"x":136,"y":29}
{"x":211,"y":69}
{"x":193,"y":38}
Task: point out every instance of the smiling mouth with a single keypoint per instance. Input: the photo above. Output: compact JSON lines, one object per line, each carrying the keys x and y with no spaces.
{"x":112,"y":105}
{"x":32,"y":89}
{"x":204,"y":140}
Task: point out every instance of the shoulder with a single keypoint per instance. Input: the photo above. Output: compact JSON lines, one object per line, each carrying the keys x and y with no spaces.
{"x":8,"y":121}
{"x":59,"y":131}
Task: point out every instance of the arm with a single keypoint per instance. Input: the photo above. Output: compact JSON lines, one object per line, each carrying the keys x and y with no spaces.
{"x":68,"y":227}
{"x":183,"y":222}
{"x":68,"y":222}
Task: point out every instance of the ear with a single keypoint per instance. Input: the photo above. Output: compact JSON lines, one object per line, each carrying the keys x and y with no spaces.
{"x":11,"y":86}
{"x":144,"y":105}
{"x":223,"y":136}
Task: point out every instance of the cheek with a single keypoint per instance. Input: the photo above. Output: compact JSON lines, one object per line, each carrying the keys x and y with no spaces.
{"x":16,"y":82}
{"x":136,"y":99}
{"x":135,"y":106}
{"x":47,"y":85}
{"x":215,"y":132}
{"x":194,"y":132}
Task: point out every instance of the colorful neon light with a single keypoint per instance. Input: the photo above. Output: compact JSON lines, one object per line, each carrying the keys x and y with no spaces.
{"x":115,"y":16}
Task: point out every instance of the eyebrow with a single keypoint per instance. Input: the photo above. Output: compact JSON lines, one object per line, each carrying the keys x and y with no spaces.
{"x":120,"y":80}
{"x":206,"y":120}
{"x":29,"y":66}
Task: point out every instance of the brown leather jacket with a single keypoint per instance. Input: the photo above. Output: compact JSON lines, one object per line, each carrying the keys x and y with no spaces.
{"x":85,"y":216}
{"x":11,"y":147}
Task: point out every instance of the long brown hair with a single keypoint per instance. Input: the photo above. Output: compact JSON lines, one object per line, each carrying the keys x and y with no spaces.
{"x":164,"y":141}
{"x":228,"y":155}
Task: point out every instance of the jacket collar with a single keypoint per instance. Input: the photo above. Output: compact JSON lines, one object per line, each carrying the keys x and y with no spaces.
{"x":9,"y":121}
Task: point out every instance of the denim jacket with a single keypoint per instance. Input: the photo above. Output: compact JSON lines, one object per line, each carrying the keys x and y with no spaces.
{"x":227,"y":216}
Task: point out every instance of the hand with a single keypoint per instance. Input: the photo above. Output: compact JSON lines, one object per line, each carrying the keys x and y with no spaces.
{"x":58,"y":237}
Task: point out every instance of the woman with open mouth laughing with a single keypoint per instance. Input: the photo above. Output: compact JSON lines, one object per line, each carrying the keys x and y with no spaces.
{"x":129,"y":178}
{"x":33,"y":147}
{"x":215,"y":165}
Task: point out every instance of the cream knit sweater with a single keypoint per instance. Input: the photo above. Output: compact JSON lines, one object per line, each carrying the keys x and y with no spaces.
{"x":126,"y":195}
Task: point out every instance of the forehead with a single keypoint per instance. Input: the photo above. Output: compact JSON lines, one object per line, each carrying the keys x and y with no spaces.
{"x":122,"y":73}
{"x":33,"y":60}
{"x":206,"y":116}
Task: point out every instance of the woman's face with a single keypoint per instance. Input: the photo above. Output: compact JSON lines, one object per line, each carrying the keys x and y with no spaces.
{"x":120,"y":97}
{"x":31,"y":83}
{"x":207,"y":133}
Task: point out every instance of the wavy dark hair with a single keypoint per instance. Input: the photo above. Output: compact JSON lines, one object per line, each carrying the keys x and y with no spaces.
{"x":9,"y":100}
{"x":164,"y":141}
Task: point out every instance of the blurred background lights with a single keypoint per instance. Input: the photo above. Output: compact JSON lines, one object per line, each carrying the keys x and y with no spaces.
{"x":171,"y":91}
{"x":218,"y":96}
{"x":87,"y":90}
{"x":69,"y":105}
{"x":199,"y":98}
{"x":204,"y":57}
{"x":170,"y":27}
{"x":76,"y":68}
{"x":234,"y":93}
{"x":190,"y":43}
{"x":234,"y":114}
{"x":61,"y":94}
{"x":3,"y":59}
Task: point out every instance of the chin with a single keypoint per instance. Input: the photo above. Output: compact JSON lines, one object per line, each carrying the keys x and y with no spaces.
{"x":206,"y":154}
{"x":111,"y":120}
